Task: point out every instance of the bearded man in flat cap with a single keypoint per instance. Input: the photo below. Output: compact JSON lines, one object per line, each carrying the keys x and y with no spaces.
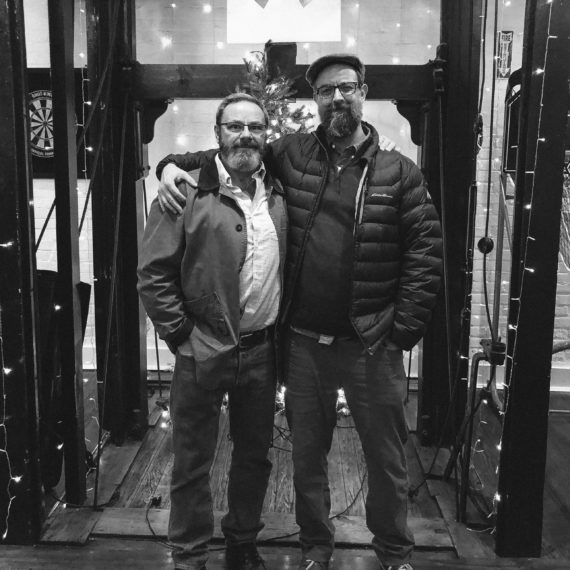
{"x":362,"y":277}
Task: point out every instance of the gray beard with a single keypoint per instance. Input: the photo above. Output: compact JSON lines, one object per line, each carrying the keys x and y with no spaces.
{"x":242,"y":159}
{"x":342,"y":122}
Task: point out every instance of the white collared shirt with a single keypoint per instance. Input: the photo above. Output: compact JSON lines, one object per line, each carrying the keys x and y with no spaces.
{"x":259,"y":281}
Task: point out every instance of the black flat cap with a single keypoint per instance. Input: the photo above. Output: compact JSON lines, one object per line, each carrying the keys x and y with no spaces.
{"x":319,"y":64}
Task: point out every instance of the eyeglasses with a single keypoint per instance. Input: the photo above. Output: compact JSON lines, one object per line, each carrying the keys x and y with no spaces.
{"x":237,"y":127}
{"x":327,"y":91}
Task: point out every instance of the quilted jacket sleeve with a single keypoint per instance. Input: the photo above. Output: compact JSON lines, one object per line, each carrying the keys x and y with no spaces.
{"x":420,"y":274}
{"x":188,"y":161}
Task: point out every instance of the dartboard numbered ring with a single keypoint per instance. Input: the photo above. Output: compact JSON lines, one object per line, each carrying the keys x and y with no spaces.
{"x":41,"y":123}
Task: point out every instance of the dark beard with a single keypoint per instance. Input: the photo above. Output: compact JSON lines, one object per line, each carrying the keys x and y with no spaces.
{"x":243,"y":157}
{"x":341,"y":121}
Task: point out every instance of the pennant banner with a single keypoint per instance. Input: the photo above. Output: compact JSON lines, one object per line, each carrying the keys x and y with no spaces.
{"x":263,"y":3}
{"x":256,"y":21}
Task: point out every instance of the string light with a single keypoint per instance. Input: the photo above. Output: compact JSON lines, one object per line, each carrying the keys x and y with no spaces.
{"x":539,"y":71}
{"x":3,"y":429}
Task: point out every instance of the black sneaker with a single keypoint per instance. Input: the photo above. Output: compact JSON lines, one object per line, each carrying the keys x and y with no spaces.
{"x":244,"y":557}
{"x":405,"y":566}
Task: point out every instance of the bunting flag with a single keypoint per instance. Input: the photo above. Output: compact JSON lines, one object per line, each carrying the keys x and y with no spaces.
{"x":264,"y":3}
{"x":253,"y":21}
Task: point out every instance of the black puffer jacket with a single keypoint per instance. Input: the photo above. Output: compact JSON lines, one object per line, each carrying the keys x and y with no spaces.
{"x":397,"y":250}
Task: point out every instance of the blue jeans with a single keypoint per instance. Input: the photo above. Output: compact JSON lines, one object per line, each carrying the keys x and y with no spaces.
{"x":195,"y":412}
{"x":375,"y":388}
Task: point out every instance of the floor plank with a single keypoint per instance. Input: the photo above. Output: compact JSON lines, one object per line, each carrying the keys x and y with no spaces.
{"x":348,"y":470}
{"x":352,"y":477}
{"x":151,"y":445}
{"x":150,"y":479}
{"x":468,"y":543}
{"x":350,"y":530}
{"x":71,"y":526}
{"x":125,"y":554}
{"x":280,"y":493}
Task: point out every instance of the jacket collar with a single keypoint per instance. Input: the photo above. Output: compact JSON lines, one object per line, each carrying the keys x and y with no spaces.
{"x":368,"y":154}
{"x":209,"y":181}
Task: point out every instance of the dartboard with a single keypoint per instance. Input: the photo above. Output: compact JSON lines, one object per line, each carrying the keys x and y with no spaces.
{"x":41,"y":123}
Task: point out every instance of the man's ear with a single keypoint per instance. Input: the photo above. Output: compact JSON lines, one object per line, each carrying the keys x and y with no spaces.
{"x":217,"y":133}
{"x":364,"y":89}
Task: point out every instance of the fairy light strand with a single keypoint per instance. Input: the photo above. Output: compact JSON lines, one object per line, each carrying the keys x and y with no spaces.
{"x":5,"y":371}
{"x":527,"y":271}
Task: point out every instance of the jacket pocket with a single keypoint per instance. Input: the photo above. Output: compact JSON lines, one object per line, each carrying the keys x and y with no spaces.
{"x":211,"y":333}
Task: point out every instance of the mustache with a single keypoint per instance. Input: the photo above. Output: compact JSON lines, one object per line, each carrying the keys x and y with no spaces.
{"x":246,"y":144}
{"x":340,"y":106}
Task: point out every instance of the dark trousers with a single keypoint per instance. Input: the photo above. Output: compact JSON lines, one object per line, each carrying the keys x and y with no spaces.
{"x":375,"y":388}
{"x":195,"y":415}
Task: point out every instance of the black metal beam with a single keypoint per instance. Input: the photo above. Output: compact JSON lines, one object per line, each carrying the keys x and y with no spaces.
{"x":120,"y":326}
{"x":132,"y":229}
{"x":21,"y":508}
{"x":189,"y":81}
{"x":102,"y":29}
{"x":444,"y":386}
{"x":538,"y":197}
{"x":60,"y":15}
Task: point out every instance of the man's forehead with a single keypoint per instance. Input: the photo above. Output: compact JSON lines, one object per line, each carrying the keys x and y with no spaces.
{"x":243,"y":109}
{"x":335,"y":72}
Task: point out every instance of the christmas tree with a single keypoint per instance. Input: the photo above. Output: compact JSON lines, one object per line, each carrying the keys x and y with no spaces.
{"x":277,"y":97}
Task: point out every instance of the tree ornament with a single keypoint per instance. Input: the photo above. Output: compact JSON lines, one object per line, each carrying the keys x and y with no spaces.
{"x":277,"y":97}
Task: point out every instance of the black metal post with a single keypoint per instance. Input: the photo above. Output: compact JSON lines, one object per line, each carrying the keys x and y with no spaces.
{"x":121,"y":343}
{"x":538,"y":197}
{"x":65,"y":169}
{"x":132,"y":228}
{"x":21,"y":508}
{"x":442,"y":399}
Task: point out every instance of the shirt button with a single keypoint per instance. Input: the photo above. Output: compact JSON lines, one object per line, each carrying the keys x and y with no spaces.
{"x":239,"y":228}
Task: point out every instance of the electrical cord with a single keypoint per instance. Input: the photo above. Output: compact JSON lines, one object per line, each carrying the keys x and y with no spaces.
{"x":489,"y":173}
{"x":155,"y":502}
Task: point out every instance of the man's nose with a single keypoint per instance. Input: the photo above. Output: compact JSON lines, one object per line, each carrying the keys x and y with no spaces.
{"x":246,"y":133}
{"x":337,"y":95}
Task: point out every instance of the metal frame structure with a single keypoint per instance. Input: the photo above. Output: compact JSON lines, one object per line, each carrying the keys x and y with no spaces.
{"x":20,"y":484}
{"x":536,"y":231}
{"x":442,"y":113}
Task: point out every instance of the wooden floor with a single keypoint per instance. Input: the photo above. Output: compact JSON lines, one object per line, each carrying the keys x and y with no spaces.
{"x":127,"y":533}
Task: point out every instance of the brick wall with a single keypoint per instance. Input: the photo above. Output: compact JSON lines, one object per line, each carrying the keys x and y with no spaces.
{"x":510,"y":18}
